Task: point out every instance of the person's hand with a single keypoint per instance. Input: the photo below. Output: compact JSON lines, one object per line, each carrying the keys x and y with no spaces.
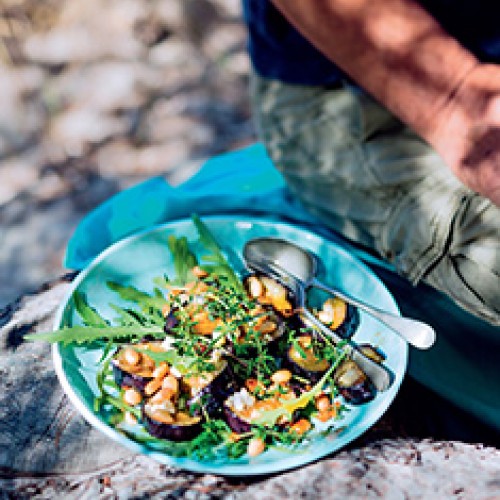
{"x":467,"y":134}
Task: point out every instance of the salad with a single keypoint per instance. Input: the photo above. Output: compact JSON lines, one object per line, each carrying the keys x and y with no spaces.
{"x":212,"y":363}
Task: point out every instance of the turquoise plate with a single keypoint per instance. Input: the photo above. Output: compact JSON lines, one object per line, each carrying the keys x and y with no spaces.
{"x":142,"y":257}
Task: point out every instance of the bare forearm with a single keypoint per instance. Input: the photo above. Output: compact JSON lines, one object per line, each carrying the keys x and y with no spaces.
{"x":393,"y":48}
{"x":399,"y":53}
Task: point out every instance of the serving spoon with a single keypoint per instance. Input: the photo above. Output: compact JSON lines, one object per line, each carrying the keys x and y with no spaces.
{"x":380,"y":376}
{"x":287,"y":260}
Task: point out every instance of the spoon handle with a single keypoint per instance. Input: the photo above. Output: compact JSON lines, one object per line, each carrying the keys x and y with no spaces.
{"x":416,"y":333}
{"x":378,"y":374}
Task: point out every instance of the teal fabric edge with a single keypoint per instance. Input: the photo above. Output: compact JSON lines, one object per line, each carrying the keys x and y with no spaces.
{"x":244,"y":181}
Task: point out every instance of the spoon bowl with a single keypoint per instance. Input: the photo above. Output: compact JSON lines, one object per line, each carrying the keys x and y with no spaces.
{"x":298,"y":262}
{"x":290,"y":261}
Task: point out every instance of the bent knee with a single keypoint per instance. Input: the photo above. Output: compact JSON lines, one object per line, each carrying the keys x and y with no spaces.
{"x":469,"y":272}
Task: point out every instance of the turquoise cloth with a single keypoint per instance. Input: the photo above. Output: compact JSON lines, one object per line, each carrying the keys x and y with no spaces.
{"x":243,"y":181}
{"x":463,"y":365}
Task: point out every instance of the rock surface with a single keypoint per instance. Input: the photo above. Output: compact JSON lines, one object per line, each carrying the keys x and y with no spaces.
{"x":99,"y":95}
{"x":49,"y":451}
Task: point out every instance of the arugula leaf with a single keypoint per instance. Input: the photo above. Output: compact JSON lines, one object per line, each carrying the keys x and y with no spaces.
{"x":161,"y":281}
{"x":101,"y":379}
{"x":184,"y":364}
{"x":184,"y":259}
{"x":220,"y":265}
{"x":120,"y":405}
{"x":106,"y":351}
{"x":88,"y":314}
{"x":269,"y":417}
{"x":206,"y":236}
{"x":172,"y":448}
{"x":214,"y":438}
{"x":131,"y":294}
{"x":82,"y":334}
{"x":126,"y":316}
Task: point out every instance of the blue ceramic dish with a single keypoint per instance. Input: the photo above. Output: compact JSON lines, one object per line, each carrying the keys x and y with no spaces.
{"x":142,"y":257}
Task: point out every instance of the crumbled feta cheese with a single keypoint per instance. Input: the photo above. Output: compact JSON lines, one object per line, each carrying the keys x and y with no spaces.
{"x":168,"y":343}
{"x":241,"y":400}
{"x":199,"y":300}
{"x":166,"y":405}
{"x":183,"y":298}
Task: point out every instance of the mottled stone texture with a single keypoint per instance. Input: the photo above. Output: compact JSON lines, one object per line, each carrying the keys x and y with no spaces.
{"x":48,"y":451}
{"x":97,"y":95}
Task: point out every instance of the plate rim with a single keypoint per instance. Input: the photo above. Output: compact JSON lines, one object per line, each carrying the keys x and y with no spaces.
{"x":186,"y":463}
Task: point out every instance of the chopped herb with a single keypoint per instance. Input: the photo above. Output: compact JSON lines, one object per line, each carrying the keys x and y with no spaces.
{"x":84,"y":334}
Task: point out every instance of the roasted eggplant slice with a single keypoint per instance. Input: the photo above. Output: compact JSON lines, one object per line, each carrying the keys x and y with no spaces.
{"x":209,"y":389}
{"x":340,"y":316}
{"x":373,"y":353}
{"x":171,"y":322}
{"x":353,"y":384}
{"x":302,"y":360}
{"x":350,"y":324}
{"x":176,"y":412}
{"x":235,"y":422}
{"x":131,"y":368}
{"x":241,"y":408}
{"x":167,"y":423}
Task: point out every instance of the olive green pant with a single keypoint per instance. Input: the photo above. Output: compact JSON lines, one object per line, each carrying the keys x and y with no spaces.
{"x":368,"y":176}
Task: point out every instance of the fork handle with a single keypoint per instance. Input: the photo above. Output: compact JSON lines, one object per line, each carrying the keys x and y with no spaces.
{"x":416,"y":333}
